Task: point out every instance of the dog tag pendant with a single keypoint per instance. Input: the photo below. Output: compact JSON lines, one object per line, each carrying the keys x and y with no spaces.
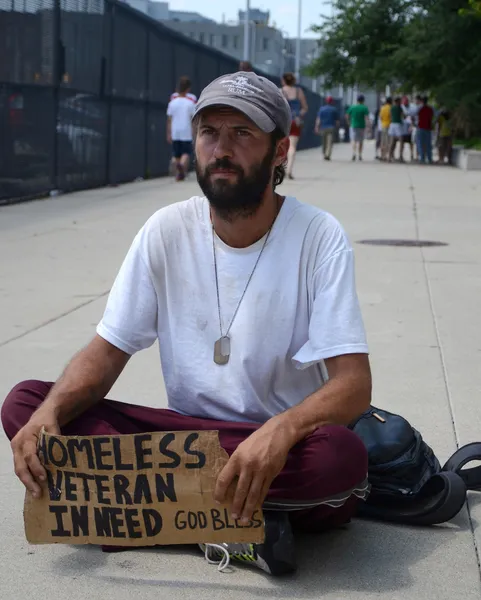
{"x":222,"y":350}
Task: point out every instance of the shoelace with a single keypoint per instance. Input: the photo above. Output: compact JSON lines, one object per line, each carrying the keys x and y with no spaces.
{"x":224,"y":561}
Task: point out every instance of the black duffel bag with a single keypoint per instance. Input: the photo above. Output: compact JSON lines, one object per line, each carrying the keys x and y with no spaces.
{"x":408,"y":484}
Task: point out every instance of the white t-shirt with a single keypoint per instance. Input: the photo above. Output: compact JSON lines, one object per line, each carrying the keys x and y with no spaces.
{"x":190,"y":96}
{"x":300,"y":307}
{"x":414,"y":112}
{"x":181,"y":110}
{"x":407,"y":120}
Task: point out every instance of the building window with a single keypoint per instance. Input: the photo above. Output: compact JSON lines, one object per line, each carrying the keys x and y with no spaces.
{"x":224,"y":41}
{"x":212,"y":39}
{"x":236,"y":41}
{"x":201,"y":38}
{"x":265,"y":44}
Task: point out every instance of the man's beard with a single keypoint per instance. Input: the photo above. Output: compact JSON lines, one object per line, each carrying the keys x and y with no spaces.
{"x":241,"y":198}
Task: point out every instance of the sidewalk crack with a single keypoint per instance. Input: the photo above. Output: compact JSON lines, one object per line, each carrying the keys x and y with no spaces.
{"x":443,"y":361}
{"x":53,"y":319}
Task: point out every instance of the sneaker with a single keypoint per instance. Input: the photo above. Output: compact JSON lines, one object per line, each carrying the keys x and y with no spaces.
{"x":180,"y":173}
{"x":353,"y":157}
{"x":274,"y":556}
{"x":360,"y":157}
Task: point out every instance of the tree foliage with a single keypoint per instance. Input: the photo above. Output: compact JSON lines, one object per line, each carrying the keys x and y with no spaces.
{"x":474,"y":8}
{"x":428,"y":45}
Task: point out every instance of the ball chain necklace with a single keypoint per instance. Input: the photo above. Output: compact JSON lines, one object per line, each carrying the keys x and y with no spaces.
{"x":222,"y":345}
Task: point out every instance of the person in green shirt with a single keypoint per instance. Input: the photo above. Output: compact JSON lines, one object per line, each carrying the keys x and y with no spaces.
{"x":358,"y":117}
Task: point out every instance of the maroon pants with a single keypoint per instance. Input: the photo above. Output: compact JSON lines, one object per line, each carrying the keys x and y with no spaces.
{"x":321,"y":483}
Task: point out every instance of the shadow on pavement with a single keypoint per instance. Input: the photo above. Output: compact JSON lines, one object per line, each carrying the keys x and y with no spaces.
{"x":366,"y":556}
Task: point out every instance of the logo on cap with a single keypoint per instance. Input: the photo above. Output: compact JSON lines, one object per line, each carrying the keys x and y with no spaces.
{"x":240,"y":85}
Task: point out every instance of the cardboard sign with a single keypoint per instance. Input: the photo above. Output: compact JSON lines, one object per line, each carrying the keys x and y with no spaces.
{"x":133,"y":490}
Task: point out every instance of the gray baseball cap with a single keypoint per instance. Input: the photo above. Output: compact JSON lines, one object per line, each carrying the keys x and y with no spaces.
{"x":255,"y":96}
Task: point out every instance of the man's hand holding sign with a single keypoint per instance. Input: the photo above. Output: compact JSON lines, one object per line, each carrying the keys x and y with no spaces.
{"x":254,"y":465}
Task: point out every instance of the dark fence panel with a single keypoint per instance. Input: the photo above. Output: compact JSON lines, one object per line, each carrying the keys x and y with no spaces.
{"x":208,"y":69}
{"x":27,"y":35}
{"x":84,"y":87}
{"x":129,"y":65}
{"x":158,"y":150}
{"x":161,"y":68}
{"x":82,"y":45}
{"x":185,"y":62}
{"x":127,"y":142}
{"x":27,"y":140}
{"x":81,"y":135}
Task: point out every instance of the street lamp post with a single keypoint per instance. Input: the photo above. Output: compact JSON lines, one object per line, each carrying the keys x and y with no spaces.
{"x":283,"y":61}
{"x":246,"y":31}
{"x":298,"y":40}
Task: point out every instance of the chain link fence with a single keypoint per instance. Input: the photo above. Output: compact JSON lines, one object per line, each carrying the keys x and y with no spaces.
{"x":84,"y":88}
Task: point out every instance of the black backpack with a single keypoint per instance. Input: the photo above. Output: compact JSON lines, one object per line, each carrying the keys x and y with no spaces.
{"x":408,"y":484}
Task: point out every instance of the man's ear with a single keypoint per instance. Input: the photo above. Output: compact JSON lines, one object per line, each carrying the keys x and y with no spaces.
{"x":281,"y":151}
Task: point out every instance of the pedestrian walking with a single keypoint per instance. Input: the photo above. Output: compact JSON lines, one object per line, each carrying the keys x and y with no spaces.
{"x":418,"y":102}
{"x":407,"y":128}
{"x":193,"y":98}
{"x":326,"y":123}
{"x":358,"y":116}
{"x":298,"y":104}
{"x":179,"y":128}
{"x":385,"y":120}
{"x":425,"y":127}
{"x":377,"y":133}
{"x":395,"y":128}
{"x":445,"y":136}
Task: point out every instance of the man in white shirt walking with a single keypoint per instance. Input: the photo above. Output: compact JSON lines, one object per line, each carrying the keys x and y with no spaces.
{"x":179,"y":127}
{"x":251,"y":296}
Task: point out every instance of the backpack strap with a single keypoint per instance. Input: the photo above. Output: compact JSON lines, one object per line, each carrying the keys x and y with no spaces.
{"x":439,"y":500}
{"x":463,"y":456}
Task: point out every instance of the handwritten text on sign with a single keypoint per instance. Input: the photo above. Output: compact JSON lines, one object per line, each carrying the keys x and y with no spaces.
{"x":133,"y":490}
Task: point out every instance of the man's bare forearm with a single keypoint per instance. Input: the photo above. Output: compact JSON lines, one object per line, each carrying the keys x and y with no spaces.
{"x":86,"y":380}
{"x":344,"y":397}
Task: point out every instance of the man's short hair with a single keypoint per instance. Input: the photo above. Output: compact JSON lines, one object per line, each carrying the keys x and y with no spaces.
{"x":245,"y":65}
{"x":184,"y":85}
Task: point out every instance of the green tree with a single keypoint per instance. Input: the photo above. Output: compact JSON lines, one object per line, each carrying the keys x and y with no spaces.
{"x":441,"y":52}
{"x":429,"y":45}
{"x":359,"y":40}
{"x":474,"y":8}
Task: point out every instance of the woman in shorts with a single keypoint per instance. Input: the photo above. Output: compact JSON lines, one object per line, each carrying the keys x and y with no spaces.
{"x":298,"y":104}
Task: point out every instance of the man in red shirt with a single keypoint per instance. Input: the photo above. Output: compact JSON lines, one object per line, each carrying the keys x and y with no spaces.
{"x":425,"y":126}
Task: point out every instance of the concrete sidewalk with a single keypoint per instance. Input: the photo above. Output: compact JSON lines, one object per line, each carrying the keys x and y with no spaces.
{"x":421,"y":308}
